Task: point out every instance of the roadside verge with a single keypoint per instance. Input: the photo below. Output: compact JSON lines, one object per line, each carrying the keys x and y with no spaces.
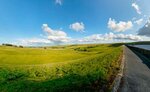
{"x":119,"y":76}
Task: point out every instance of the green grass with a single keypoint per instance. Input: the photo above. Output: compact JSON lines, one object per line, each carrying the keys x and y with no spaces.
{"x":61,"y":68}
{"x":11,"y":55}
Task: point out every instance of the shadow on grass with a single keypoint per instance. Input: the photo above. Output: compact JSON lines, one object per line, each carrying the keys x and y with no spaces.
{"x":116,"y":45}
{"x":71,"y":83}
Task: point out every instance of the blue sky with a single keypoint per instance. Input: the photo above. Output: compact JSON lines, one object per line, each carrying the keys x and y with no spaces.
{"x":46,"y":22}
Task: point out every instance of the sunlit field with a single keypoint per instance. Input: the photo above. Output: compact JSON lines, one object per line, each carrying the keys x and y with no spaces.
{"x":59,"y":68}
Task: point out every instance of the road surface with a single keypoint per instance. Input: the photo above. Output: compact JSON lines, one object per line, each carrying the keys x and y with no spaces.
{"x":136,"y":74}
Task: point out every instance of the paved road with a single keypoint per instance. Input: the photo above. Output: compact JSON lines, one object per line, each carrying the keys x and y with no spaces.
{"x":136,"y":74}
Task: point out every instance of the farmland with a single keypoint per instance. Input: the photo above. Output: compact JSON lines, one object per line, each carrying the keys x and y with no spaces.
{"x":88,"y":67}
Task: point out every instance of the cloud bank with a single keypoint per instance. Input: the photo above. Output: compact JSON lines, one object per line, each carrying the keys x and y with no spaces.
{"x":95,"y":38}
{"x":110,"y":37}
{"x":33,"y":42}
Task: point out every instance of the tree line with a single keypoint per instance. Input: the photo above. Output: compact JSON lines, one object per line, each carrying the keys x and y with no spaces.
{"x":7,"y":44}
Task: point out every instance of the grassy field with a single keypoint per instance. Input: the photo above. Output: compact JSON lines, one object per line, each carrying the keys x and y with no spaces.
{"x":59,"y":69}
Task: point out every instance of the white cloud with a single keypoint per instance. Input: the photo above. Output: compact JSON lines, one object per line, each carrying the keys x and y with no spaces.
{"x":109,"y":37}
{"x":52,"y":37}
{"x":95,"y":38}
{"x":128,"y":37}
{"x":37,"y":40}
{"x":58,"y":2}
{"x":119,"y":27}
{"x":139,"y":21}
{"x":56,"y":36}
{"x":34,"y":42}
{"x":50,"y":31}
{"x":136,"y":7}
{"x":77,"y":26}
{"x":146,"y":25}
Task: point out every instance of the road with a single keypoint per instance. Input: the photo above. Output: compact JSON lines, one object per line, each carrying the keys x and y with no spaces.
{"x":136,"y":76}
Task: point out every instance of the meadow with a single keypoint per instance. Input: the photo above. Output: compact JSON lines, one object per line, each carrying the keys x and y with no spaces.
{"x":70,"y":68}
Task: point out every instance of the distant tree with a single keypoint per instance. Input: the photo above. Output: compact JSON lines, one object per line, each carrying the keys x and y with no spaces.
{"x":20,"y":46}
{"x":15,"y":46}
{"x":7,"y":44}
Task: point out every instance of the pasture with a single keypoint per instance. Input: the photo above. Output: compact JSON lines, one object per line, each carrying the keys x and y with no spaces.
{"x":70,"y":68}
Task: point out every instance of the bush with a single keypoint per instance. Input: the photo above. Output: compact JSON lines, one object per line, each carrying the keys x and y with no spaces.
{"x":9,"y":45}
{"x":81,"y":49}
{"x":20,"y":46}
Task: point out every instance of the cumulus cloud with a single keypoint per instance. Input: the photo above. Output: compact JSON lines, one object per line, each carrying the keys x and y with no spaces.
{"x":51,"y":37}
{"x":139,"y":21}
{"x":77,"y":26}
{"x":119,"y":27}
{"x":145,"y":30}
{"x":136,"y":7}
{"x":56,"y":36}
{"x":58,"y":2}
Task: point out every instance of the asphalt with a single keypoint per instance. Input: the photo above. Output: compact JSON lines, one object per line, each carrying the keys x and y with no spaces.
{"x":136,"y":76}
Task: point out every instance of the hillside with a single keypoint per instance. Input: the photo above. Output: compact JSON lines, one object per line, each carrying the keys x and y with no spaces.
{"x":61,"y":68}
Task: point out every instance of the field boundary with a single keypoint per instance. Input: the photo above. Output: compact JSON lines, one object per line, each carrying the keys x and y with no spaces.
{"x":119,"y":76}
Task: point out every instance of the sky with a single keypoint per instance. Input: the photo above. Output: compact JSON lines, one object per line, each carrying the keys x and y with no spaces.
{"x":54,"y":22}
